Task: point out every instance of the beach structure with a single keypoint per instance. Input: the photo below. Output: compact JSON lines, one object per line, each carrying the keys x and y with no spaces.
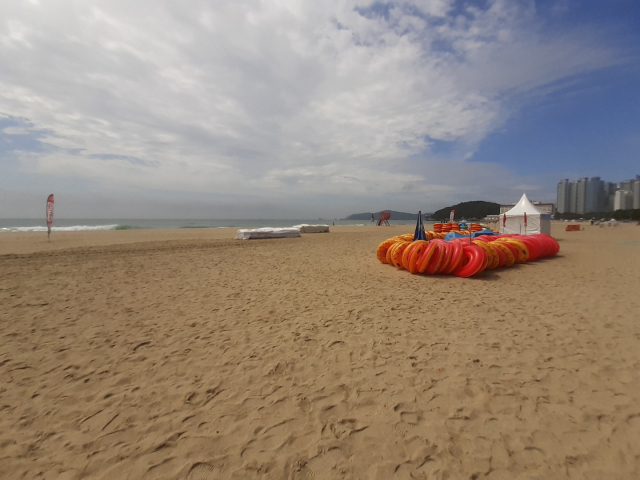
{"x":305,"y":228}
{"x":525,"y":219}
{"x":384,"y":218}
{"x":262,"y":233}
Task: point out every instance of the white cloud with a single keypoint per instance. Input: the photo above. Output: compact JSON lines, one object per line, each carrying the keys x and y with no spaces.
{"x":283,"y":98}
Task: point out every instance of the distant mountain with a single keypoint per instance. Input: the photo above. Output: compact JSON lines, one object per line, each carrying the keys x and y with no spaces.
{"x":394,"y":215}
{"x":468,"y":210}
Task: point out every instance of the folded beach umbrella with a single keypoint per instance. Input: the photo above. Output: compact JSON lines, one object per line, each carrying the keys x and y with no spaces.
{"x":419,"y":235}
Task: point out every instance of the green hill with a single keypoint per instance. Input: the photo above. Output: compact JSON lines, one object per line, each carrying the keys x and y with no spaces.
{"x":476,"y":209}
{"x":394,"y":215}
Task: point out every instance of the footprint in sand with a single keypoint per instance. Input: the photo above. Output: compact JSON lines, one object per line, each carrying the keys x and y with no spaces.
{"x":408,"y":422}
{"x":330,"y":464}
{"x":410,"y":418}
{"x":345,"y":427}
{"x":204,"y":471}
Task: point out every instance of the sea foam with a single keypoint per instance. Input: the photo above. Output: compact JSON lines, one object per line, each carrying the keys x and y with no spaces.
{"x":75,"y":228}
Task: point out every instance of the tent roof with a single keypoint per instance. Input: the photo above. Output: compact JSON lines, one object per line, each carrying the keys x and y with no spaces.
{"x":523,"y":205}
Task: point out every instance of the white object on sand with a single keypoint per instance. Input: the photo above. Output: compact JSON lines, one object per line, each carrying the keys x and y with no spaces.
{"x":259,"y":233}
{"x":304,"y":228}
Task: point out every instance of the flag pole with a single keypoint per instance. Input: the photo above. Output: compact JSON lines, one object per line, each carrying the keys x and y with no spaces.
{"x":49,"y":215}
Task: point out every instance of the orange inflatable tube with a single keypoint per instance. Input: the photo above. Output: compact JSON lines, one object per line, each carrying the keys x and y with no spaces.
{"x":499,"y":254}
{"x":523,"y":251}
{"x":392,"y":250}
{"x":409,"y":251}
{"x":509,"y":258}
{"x":492,"y":261}
{"x":382,"y":249}
{"x":396,"y":256}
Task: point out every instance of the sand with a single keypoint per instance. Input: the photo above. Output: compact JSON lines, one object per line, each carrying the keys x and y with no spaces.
{"x":189,"y":355}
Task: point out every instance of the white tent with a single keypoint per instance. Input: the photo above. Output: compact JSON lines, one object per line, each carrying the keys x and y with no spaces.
{"x":513,"y":220}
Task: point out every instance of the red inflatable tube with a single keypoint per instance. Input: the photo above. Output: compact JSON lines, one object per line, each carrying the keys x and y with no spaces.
{"x":532,"y":246}
{"x":541,"y":247}
{"x":436,"y":259}
{"x":473,"y":259}
{"x":457,"y":251}
{"x":446,"y":257}
{"x":543,"y":243}
{"x":553,"y":244}
{"x":423,"y":261}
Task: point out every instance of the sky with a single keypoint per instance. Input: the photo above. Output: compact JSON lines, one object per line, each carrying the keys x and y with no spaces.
{"x":302,"y":109}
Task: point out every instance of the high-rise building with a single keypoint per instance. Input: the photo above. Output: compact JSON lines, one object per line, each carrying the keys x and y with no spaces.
{"x":593,"y":195}
{"x":623,"y":200}
{"x":581,"y":196}
{"x":563,"y":201}
{"x":609,"y":196}
{"x":573,"y":197}
{"x":627,"y":186}
{"x":632,"y":187}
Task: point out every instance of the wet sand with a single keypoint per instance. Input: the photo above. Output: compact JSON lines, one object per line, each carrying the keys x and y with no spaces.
{"x":189,"y":355}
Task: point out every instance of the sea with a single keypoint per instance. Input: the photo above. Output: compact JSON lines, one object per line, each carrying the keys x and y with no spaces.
{"x":85,"y":224}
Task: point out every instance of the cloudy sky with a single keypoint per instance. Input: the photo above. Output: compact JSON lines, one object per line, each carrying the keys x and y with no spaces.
{"x":304,"y":109}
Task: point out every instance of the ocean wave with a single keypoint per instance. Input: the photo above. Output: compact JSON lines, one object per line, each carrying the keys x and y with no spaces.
{"x":75,"y":228}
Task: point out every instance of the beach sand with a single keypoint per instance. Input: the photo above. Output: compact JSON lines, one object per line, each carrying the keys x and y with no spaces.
{"x":185,"y":354}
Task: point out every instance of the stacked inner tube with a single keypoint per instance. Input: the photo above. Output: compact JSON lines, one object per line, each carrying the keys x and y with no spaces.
{"x":454,"y":227}
{"x":459,"y":258}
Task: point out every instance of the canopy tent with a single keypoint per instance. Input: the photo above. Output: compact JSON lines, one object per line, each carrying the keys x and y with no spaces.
{"x":525,"y":219}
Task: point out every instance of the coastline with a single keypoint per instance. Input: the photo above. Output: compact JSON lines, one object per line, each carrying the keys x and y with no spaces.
{"x":21,"y":243}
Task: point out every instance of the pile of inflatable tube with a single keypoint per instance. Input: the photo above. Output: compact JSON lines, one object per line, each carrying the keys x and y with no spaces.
{"x":461,"y":258}
{"x":455,"y":227}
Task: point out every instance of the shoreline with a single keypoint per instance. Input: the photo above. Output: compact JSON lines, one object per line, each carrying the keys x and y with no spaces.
{"x":31,"y":242}
{"x":21,"y":243}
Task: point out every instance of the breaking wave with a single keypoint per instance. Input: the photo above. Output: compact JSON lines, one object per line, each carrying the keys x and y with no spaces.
{"x":75,"y":228}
